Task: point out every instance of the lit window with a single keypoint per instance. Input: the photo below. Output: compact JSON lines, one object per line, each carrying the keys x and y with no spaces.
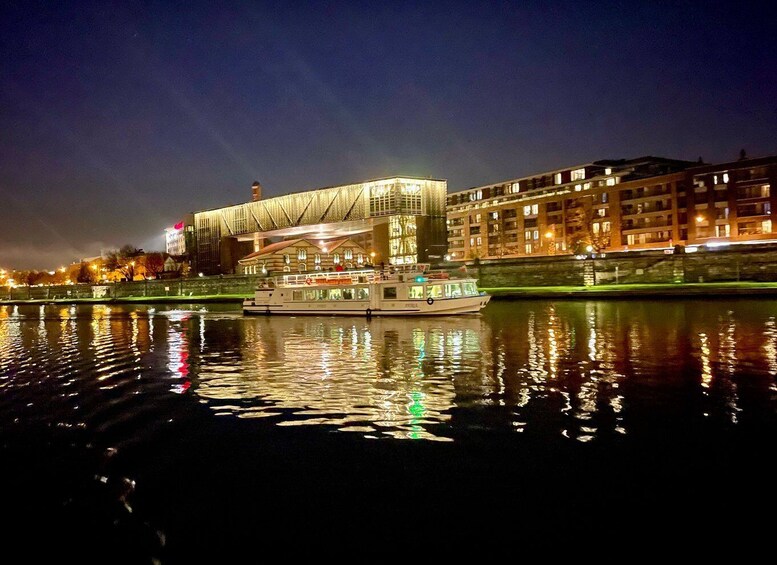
{"x":611,"y":182}
{"x":286,"y":259}
{"x":472,"y":242}
{"x":766,"y":226}
{"x":527,"y":235}
{"x":348,"y":253}
{"x":605,"y":197}
{"x":477,"y":218}
{"x":578,"y":174}
{"x":536,"y":234}
{"x":480,"y":241}
{"x":605,"y":227}
{"x":558,"y":178}
{"x":317,"y":259}
{"x":535,"y":209}
{"x":608,"y":171}
{"x":578,"y":187}
{"x":725,"y":178}
{"x":595,"y":227}
{"x":528,"y":248}
{"x":586,"y":185}
{"x":516,"y":187}
{"x":601,"y":212}
{"x":360,"y":259}
{"x":715,"y":179}
{"x":495,"y":215}
{"x":480,"y":195}
{"x":302,"y":254}
{"x":527,"y":210}
{"x":336,"y":258}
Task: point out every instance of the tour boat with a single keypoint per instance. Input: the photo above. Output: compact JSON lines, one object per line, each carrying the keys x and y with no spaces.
{"x":401,"y":290}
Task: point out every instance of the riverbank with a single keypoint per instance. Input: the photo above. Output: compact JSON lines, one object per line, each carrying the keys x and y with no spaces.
{"x":598,"y":292}
{"x":669,"y":290}
{"x":217,"y":298}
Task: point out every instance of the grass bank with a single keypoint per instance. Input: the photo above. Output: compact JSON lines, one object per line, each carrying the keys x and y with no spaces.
{"x":603,"y":291}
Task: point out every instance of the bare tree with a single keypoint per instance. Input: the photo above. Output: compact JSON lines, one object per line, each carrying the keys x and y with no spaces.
{"x":154,"y":264}
{"x":124,"y":260}
{"x":589,"y":227}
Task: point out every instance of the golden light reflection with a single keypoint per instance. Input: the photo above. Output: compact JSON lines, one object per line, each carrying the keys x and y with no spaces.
{"x":706,"y":367}
{"x":391,"y":377}
{"x":770,"y":346}
{"x":728,"y":355}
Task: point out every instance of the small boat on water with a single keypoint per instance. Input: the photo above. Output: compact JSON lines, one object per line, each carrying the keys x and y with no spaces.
{"x":401,"y":290}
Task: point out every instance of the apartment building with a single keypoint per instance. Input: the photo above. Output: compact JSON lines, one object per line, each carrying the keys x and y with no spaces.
{"x":614,"y":205}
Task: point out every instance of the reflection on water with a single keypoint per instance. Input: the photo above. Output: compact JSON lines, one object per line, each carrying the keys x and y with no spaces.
{"x":382,"y":375}
{"x":577,"y":370}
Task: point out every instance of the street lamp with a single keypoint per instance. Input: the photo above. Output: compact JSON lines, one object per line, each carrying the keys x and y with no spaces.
{"x":550,"y":236}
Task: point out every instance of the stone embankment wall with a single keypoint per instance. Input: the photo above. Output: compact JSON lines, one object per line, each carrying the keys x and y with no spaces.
{"x":745,"y":263}
{"x":200,"y":286}
{"x":719,"y":265}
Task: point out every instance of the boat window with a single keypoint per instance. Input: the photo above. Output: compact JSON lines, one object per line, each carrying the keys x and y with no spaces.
{"x":303,"y":267}
{"x":434,"y":291}
{"x":362,"y":293}
{"x":322,"y":294}
{"x":470,"y":289}
{"x":453,"y":290}
{"x":310,"y":294}
{"x":347,"y":294}
{"x":335,"y":294}
{"x":297,"y":295}
{"x":390,"y":292}
{"x":415,"y":292}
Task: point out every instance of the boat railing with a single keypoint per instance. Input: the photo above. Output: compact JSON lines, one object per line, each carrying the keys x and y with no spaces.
{"x":399,"y":273}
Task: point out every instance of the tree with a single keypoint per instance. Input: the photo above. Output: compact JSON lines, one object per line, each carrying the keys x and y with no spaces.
{"x":124,"y":260}
{"x":86,"y":274}
{"x":154,"y":263}
{"x":581,"y":216}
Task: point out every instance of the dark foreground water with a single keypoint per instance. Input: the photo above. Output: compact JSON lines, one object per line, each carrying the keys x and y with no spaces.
{"x":189,"y":434}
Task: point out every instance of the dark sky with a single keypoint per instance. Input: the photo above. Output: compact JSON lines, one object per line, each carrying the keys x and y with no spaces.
{"x":118,"y":118}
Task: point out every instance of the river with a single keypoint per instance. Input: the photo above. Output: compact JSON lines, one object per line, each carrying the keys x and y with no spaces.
{"x":164,"y":434}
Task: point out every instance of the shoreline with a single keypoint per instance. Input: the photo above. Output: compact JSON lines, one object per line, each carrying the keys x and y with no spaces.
{"x":599,"y":292}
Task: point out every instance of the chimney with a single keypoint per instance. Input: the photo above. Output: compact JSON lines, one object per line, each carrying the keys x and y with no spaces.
{"x":256,"y":191}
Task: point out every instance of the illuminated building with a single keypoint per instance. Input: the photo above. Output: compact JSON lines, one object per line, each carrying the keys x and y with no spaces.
{"x":175,"y":243}
{"x":302,"y":255}
{"x":614,"y":205}
{"x":400,"y":219}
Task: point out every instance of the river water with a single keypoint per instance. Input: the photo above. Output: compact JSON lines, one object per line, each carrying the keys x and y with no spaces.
{"x":164,"y":434}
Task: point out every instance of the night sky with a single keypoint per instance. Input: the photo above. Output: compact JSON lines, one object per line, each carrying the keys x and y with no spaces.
{"x":118,"y":118}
